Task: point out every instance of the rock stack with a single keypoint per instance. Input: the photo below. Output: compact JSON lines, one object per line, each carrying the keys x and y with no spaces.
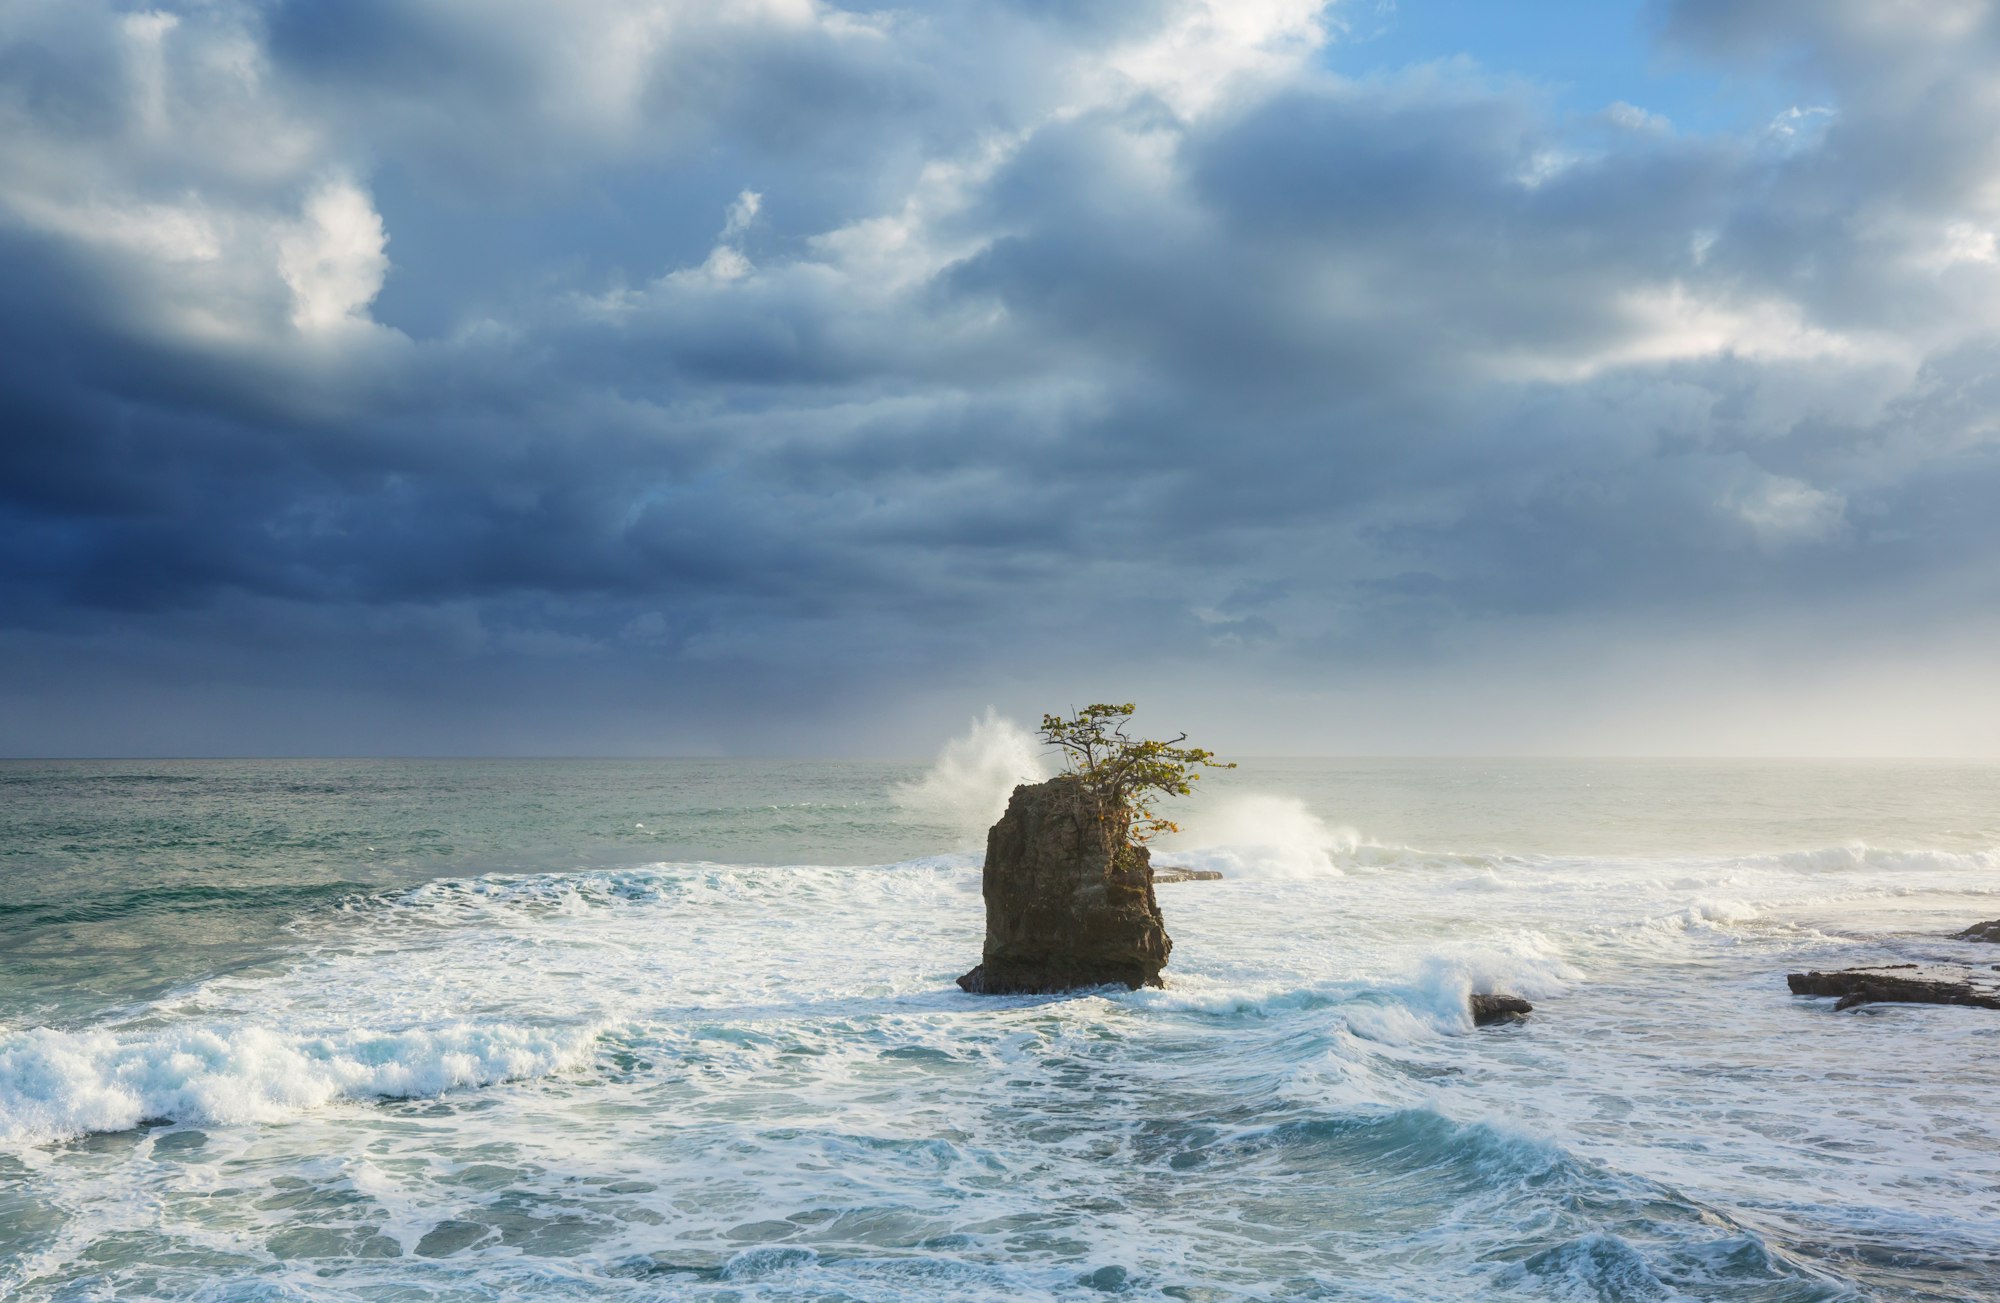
{"x":1069,"y":898}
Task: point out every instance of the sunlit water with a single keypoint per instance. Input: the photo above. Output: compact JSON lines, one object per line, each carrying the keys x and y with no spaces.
{"x":683,"y":1029}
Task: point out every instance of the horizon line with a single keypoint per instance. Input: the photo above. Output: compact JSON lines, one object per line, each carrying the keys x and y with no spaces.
{"x":818,"y":757}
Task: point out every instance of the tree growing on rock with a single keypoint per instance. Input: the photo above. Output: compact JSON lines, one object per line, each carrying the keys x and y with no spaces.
{"x":1126,"y":775}
{"x":1068,"y":881}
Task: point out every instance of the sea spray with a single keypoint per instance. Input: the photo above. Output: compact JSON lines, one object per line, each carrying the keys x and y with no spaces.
{"x":967,"y":787}
{"x":1257,"y":835}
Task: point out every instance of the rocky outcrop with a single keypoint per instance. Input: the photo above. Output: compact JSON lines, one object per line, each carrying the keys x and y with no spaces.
{"x":1179,"y":873}
{"x":1901,"y":984}
{"x":1987,"y":931}
{"x":1069,"y":898}
{"x":1495,"y":1009}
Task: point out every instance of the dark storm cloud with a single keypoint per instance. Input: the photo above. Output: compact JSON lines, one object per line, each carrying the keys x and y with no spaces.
{"x":450,"y":351}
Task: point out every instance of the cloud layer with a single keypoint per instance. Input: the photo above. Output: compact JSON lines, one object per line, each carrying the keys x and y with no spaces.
{"x":650,"y":375}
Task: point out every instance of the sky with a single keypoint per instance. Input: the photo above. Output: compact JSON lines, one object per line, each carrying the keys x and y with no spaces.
{"x":656,"y":377}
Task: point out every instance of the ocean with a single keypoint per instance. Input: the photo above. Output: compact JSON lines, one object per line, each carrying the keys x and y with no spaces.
{"x":687,"y":1029}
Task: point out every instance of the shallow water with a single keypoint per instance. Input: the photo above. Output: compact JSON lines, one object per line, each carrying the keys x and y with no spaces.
{"x":476,"y":1030}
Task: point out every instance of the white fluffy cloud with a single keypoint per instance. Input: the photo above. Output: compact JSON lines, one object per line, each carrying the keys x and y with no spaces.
{"x":333,"y":257}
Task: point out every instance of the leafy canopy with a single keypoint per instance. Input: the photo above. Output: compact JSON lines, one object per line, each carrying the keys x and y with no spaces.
{"x":1124,"y":773}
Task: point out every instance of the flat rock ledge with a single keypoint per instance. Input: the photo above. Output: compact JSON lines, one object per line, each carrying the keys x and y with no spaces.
{"x":1497,"y":1010}
{"x":1177,"y":873}
{"x":1901,"y":984}
{"x":1987,"y":931}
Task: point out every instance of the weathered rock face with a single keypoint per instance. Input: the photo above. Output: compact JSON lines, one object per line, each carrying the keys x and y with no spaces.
{"x":1900,"y":984}
{"x":1987,"y":931}
{"x":1069,"y":901}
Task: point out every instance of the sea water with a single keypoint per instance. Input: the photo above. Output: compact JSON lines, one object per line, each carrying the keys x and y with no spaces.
{"x":475,"y":1030}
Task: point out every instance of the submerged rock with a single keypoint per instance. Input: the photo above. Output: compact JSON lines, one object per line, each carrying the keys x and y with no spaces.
{"x":1901,"y":984}
{"x":1987,"y":931}
{"x":1490,"y":1010}
{"x":1180,"y":873}
{"x":1069,"y":898}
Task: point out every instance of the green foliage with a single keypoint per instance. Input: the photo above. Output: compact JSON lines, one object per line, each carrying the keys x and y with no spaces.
{"x":1125,"y":774}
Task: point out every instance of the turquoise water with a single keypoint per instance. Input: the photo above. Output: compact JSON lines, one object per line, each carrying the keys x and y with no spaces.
{"x":118,"y":878}
{"x":687,"y":1029}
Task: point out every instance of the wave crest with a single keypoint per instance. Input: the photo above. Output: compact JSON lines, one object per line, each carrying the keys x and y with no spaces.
{"x":57,"y":1084}
{"x":1859,"y":857}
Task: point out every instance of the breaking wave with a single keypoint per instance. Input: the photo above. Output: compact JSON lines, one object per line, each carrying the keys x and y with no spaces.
{"x":56,"y":1084}
{"x":1261,"y":837}
{"x":967,"y":787}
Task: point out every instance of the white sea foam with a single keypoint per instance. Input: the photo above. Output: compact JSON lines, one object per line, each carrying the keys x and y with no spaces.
{"x":1426,"y":1000}
{"x":61,"y":1083}
{"x":1859,"y":857}
{"x":666,"y":885}
{"x":1259,"y":836}
{"x":1526,"y":964}
{"x":1706,"y":912}
{"x":763,"y":1080}
{"x":968,"y":785}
